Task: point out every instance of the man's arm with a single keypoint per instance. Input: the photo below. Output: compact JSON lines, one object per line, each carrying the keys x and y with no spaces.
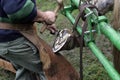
{"x":25,"y":11}
{"x":19,"y":10}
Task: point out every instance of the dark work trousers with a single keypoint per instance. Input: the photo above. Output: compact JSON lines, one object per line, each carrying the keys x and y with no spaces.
{"x":25,"y":58}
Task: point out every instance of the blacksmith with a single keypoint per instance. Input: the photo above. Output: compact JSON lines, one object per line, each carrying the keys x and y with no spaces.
{"x":13,"y":45}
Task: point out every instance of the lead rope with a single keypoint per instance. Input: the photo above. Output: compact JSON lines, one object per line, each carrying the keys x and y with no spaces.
{"x":80,"y":41}
{"x":84,"y":27}
{"x":81,"y":50}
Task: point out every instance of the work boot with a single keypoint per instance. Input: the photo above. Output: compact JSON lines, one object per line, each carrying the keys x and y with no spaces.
{"x":65,"y":40}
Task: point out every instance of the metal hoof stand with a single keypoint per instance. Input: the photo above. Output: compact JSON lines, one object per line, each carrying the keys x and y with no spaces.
{"x":100,"y":24}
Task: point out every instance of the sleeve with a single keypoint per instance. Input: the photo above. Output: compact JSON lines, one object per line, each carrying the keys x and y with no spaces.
{"x":21,"y":11}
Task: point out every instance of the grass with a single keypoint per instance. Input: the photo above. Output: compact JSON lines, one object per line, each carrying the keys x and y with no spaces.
{"x":6,"y":75}
{"x":93,"y":70}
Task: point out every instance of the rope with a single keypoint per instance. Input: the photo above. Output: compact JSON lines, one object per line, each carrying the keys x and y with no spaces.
{"x":80,"y":41}
{"x":84,"y":26}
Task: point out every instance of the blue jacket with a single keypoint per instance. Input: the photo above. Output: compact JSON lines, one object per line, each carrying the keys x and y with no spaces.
{"x":15,"y":11}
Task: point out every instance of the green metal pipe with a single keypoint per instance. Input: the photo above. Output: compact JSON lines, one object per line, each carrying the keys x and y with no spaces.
{"x":108,"y":67}
{"x":110,"y":33}
{"x":76,"y":2}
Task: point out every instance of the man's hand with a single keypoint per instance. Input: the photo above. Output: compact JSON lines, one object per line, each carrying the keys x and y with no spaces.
{"x":48,"y":17}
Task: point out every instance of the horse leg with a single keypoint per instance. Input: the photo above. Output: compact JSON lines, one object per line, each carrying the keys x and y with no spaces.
{"x":116,"y":24}
{"x":6,"y":65}
{"x":116,"y":58}
{"x":61,"y":69}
